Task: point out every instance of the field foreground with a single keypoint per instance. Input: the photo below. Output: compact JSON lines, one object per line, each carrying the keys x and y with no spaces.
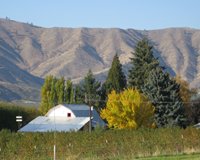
{"x":174,"y":157}
{"x":111,"y":144}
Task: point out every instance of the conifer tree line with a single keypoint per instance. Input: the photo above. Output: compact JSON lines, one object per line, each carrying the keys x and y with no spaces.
{"x":145,"y":77}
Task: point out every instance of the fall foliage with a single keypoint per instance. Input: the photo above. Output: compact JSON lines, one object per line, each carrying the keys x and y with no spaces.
{"x":128,"y":109}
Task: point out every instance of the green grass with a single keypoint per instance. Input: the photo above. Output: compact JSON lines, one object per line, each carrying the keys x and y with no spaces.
{"x":174,"y":157}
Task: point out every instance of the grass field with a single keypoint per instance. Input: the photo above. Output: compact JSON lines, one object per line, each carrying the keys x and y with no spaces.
{"x":167,"y":157}
{"x":175,"y":157}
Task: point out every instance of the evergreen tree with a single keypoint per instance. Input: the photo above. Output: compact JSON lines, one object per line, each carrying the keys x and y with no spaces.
{"x":165,"y":96}
{"x":103,"y":95}
{"x":147,"y":76}
{"x":116,"y":79}
{"x":142,"y":62}
{"x":91,"y":89}
{"x":79,"y":97}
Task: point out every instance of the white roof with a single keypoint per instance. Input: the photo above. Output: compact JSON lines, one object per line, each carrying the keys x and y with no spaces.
{"x":81,"y":110}
{"x":45,"y":124}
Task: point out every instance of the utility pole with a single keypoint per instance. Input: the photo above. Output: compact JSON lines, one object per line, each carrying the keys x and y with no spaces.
{"x":54,"y":136}
{"x":54,"y":152}
{"x":90,"y":122}
{"x":74,"y":96}
{"x":88,"y":101}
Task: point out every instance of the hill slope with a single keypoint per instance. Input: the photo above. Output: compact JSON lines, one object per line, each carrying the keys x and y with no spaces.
{"x":28,"y":53}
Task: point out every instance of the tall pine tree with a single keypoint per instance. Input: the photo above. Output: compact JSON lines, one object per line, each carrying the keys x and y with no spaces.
{"x":91,"y":89}
{"x":142,"y":62}
{"x":116,"y":79}
{"x":165,"y":96}
{"x":147,"y":76}
{"x":79,"y":97}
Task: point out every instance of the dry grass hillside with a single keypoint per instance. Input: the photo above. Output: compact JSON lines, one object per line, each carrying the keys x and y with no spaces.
{"x":29,"y":53}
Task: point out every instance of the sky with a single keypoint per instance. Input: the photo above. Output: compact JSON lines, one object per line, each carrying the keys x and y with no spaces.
{"x":136,"y":14}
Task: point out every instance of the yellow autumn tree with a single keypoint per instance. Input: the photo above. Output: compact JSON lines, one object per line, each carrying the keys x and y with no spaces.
{"x":128,"y":109}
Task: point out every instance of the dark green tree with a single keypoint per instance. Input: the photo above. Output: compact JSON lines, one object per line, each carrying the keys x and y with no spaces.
{"x":116,"y":79}
{"x":193,"y":111}
{"x":103,"y":95}
{"x":91,"y":89}
{"x":164,"y":93}
{"x":79,"y":97}
{"x":142,"y":62}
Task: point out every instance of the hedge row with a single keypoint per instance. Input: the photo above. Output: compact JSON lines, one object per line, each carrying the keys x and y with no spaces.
{"x":8,"y":113}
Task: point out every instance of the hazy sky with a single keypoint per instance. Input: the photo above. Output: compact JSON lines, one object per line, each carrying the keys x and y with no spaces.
{"x":137,"y":14}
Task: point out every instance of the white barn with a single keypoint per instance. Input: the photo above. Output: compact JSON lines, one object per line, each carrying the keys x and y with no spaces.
{"x":64,"y":118}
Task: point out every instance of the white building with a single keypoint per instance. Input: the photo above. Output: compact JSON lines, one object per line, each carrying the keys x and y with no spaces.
{"x":68,"y":117}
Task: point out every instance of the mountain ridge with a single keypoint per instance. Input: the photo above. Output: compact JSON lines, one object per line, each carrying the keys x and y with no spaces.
{"x":70,"y":52}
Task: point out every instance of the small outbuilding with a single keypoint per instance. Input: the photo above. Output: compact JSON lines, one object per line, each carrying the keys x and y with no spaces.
{"x":65,"y":118}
